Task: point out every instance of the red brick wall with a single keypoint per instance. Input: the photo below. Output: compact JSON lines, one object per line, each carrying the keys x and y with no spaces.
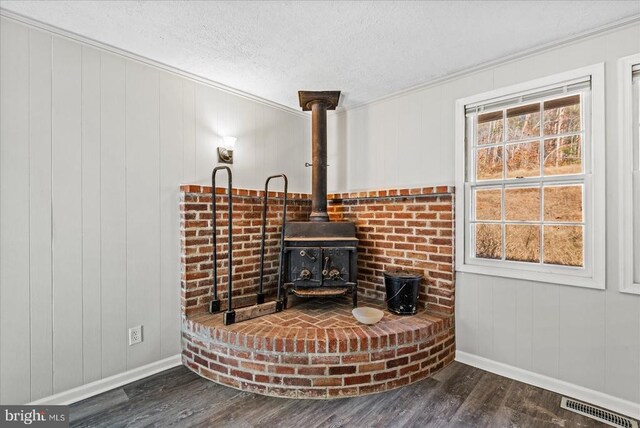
{"x":408,"y":229}
{"x":195,"y":212}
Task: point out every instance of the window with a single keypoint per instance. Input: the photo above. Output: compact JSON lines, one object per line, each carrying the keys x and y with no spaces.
{"x":629,"y":69}
{"x":529,"y":174}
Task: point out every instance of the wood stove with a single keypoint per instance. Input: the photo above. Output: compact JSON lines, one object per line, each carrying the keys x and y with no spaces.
{"x":321,"y":256}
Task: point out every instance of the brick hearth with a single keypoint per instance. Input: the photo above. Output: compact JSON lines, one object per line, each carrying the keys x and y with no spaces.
{"x":316,"y":349}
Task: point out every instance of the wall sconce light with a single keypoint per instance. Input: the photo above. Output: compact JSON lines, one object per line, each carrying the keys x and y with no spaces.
{"x":225,"y":153}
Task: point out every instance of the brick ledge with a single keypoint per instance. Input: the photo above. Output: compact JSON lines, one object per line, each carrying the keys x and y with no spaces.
{"x":318,"y":363}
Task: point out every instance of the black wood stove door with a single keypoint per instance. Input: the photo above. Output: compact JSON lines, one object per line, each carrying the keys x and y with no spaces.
{"x":335,"y":266}
{"x":315,"y":267}
{"x":305,"y":269}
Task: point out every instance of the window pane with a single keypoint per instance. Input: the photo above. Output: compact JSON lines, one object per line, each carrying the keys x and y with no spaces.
{"x":489,"y":241}
{"x":523,"y":160}
{"x":562,"y":116}
{"x":563,"y":203}
{"x":563,"y":155}
{"x":523,"y":243}
{"x":522,"y":203}
{"x":488,"y":204}
{"x":489,"y":163}
{"x":523,"y":122}
{"x":490,"y":128}
{"x":563,"y":245}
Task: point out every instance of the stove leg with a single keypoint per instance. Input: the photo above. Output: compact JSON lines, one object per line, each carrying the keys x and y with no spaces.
{"x":354,"y":295}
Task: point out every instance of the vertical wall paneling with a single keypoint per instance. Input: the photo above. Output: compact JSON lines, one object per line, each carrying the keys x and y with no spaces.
{"x":389,"y":152}
{"x":271,"y":152}
{"x":113,"y":215}
{"x":411,"y":149}
{"x":15,"y":376}
{"x":622,"y":339}
{"x":171,"y":171}
{"x":373,"y":146}
{"x":207,"y":111}
{"x":485,"y":316}
{"x":581,"y":336}
{"x":143,"y":211}
{"x":467,"y":303}
{"x":40,"y":214}
{"x":356,"y":132}
{"x":235,"y":122}
{"x":504,"y":329}
{"x":239,"y":125}
{"x":189,"y":132}
{"x":67,"y":213}
{"x":93,"y":149}
{"x":546,"y":329}
{"x":91,"y":275}
{"x":259,"y":143}
{"x":524,"y":324}
{"x":304,"y":141}
{"x":279,"y":136}
{"x":336,"y":151}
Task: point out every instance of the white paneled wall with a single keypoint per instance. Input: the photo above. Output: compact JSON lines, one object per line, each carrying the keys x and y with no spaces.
{"x":589,"y":338}
{"x":94,"y":146}
{"x":93,"y":149}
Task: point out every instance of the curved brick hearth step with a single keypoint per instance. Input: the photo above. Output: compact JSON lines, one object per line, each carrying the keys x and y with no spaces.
{"x":316,"y":349}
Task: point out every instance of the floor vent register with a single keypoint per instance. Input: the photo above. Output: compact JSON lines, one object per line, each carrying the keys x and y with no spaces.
{"x":593,"y":412}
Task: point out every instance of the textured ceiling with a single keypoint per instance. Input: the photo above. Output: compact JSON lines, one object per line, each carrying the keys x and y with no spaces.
{"x":366,"y":49}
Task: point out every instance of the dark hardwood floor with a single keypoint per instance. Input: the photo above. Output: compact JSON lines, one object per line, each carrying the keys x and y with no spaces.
{"x":458,"y":396}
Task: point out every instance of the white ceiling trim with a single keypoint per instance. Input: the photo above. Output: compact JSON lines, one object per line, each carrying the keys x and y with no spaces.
{"x":141,"y":59}
{"x":576,"y":38}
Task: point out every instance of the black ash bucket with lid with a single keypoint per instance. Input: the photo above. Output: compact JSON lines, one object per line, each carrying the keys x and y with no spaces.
{"x":402,"y":292}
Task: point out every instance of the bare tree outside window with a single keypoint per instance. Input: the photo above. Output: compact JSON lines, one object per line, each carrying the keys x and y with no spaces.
{"x":540,"y":221}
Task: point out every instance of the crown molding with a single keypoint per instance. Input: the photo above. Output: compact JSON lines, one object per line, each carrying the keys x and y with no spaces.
{"x":566,"y":41}
{"x":575,"y":38}
{"x":104,"y":47}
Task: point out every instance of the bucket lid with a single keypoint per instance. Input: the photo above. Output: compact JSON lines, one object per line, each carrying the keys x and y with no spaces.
{"x":403,"y":274}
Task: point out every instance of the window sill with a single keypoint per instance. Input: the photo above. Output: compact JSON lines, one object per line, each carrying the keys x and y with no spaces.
{"x":633,"y":288}
{"x":552,"y":278}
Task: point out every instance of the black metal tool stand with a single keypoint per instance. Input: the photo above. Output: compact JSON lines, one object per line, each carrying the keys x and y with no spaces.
{"x":280,"y":300}
{"x":232,"y":316}
{"x":229,"y":315}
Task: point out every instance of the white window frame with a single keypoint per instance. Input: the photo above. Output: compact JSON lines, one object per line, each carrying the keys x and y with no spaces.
{"x":592,"y":274}
{"x":629,"y":177}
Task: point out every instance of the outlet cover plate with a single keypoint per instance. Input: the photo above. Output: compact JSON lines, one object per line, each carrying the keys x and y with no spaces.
{"x":135,"y":335}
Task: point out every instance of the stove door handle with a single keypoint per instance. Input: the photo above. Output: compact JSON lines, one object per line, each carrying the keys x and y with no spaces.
{"x":303,"y":253}
{"x":325,"y":268}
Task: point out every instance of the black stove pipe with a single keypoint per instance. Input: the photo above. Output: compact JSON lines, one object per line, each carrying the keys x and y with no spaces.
{"x":319,"y":102}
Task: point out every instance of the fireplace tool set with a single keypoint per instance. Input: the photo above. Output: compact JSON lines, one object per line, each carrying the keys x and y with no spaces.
{"x":317,"y":257}
{"x":261,"y":307}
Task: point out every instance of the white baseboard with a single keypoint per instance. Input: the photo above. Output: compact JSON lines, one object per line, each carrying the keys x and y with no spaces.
{"x":587,"y":395}
{"x":111,"y":382}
